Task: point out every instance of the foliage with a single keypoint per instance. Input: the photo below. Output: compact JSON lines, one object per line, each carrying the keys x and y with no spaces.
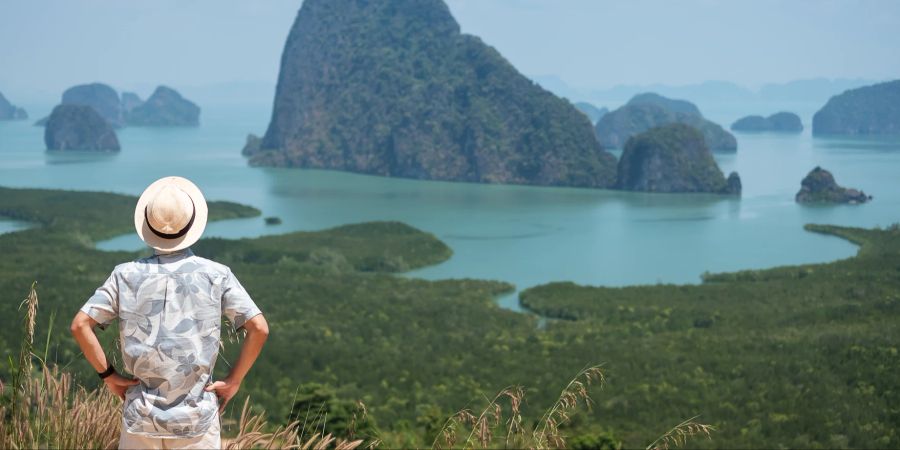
{"x":801,"y":356}
{"x":795,"y":356}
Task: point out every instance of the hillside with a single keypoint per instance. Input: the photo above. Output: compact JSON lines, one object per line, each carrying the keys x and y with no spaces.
{"x":393,"y":88}
{"x":649,"y":110}
{"x":868,"y":110}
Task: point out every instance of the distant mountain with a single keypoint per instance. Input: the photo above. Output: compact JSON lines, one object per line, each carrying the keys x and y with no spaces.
{"x":869,"y":110}
{"x":650,"y":110}
{"x":677,"y":106}
{"x":165,"y":108}
{"x":9,"y":111}
{"x":672,"y":158}
{"x":392,"y":88}
{"x":79,"y":127}
{"x":130,"y":100}
{"x":594,"y":113}
{"x":101,"y":97}
{"x":782,"y":122}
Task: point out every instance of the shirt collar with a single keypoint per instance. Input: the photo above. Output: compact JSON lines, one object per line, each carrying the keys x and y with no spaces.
{"x":183,"y":253}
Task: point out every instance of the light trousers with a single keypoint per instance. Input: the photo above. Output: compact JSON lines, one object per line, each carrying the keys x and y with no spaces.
{"x":210,"y":440}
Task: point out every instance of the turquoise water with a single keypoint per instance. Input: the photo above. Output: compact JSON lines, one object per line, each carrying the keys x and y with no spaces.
{"x":524,"y":235}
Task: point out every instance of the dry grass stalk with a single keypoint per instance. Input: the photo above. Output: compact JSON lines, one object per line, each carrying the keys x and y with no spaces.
{"x":251,"y":435}
{"x":680,"y":434}
{"x":547,"y":434}
{"x":24,"y":368}
{"x":55,"y":414}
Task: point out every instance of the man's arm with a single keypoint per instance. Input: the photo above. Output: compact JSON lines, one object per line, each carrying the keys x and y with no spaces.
{"x":257,"y":333}
{"x":83,"y":330}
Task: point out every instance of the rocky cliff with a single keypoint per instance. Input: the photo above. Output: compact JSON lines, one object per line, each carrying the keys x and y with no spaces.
{"x":819,"y":187}
{"x":646,"y":111}
{"x":79,"y":127}
{"x":166,"y":107}
{"x":782,"y":122}
{"x":391,"y":87}
{"x":672,"y":158}
{"x":9,"y":111}
{"x":870,"y":110}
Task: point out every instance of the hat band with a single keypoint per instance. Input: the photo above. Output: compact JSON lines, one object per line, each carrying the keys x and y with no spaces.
{"x":178,"y":234}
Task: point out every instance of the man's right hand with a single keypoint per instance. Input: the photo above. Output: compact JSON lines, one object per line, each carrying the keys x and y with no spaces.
{"x":117,"y":384}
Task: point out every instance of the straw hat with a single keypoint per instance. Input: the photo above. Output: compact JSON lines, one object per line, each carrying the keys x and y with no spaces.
{"x":171,"y":214}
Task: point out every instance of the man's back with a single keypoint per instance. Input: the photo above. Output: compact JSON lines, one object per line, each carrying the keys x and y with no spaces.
{"x":169,"y":309}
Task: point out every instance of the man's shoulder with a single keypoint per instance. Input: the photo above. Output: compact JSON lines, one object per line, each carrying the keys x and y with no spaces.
{"x":211,"y":265}
{"x":193,"y":263}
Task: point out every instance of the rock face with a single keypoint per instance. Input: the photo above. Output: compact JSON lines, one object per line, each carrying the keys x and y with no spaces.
{"x":782,"y":122}
{"x":101,"y":97}
{"x":166,"y":107}
{"x":79,"y":127}
{"x":646,"y":111}
{"x":673,"y":158}
{"x":819,"y":187}
{"x":594,"y":113}
{"x":392,"y":88}
{"x":870,"y":110}
{"x":130,"y":100}
{"x":9,"y":111}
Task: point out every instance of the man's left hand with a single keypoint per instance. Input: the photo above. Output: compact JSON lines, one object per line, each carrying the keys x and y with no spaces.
{"x":224,"y":389}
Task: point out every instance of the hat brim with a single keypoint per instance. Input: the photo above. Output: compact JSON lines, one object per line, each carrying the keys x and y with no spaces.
{"x":201,"y":212}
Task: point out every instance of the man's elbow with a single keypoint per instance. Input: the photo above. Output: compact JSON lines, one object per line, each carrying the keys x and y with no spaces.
{"x":81,"y":323}
{"x":258,"y":326}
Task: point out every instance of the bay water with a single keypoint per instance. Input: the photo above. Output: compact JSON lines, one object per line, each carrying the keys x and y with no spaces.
{"x":523,"y":235}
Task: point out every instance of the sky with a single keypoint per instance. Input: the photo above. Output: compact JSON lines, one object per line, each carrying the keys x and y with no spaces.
{"x":48,"y":45}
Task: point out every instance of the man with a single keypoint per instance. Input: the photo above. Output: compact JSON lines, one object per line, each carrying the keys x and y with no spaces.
{"x":170,"y":308}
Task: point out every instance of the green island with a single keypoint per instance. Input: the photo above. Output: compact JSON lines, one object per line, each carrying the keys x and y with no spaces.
{"x":802,"y":356}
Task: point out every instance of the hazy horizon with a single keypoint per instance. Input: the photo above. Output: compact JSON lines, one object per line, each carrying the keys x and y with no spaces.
{"x":585,"y":44}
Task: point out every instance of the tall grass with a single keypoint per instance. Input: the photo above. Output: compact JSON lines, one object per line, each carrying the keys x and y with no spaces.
{"x":481,"y":431}
{"x":47,"y":410}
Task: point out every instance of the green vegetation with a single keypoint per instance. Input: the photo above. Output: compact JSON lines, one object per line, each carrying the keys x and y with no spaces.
{"x":795,"y":356}
{"x":802,"y":356}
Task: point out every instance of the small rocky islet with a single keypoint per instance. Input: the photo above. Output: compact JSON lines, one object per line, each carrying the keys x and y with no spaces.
{"x":8,"y":111}
{"x":650,"y":110}
{"x":673,"y":158}
{"x":867,"y":111}
{"x":165,"y":108}
{"x":781,"y":122}
{"x":819,"y":186}
{"x":79,"y":127}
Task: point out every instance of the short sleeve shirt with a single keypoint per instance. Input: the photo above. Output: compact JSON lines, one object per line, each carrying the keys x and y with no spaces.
{"x":170,"y":311}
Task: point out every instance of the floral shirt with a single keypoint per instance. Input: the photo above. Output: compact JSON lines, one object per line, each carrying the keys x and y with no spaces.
{"x":170,"y":316}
